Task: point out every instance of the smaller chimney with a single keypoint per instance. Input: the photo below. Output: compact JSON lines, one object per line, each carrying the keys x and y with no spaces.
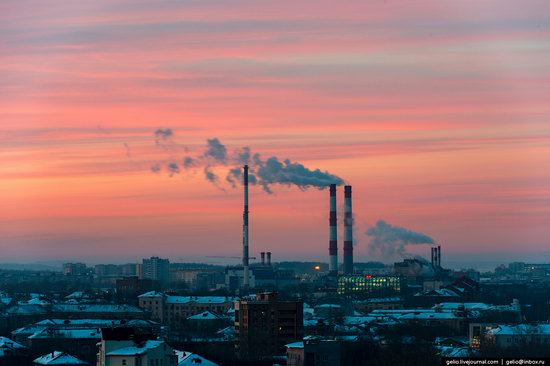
{"x":262,"y":254}
{"x":268,"y":258}
{"x":439,"y":255}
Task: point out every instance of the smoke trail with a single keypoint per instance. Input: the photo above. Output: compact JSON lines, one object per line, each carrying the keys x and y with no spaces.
{"x":163,"y":134}
{"x":388,"y":241}
{"x":209,"y":175}
{"x":216,"y":150}
{"x":288,"y":173}
{"x":263,"y":172}
{"x":188,"y":162}
{"x":156,"y":168}
{"x":173,"y":169}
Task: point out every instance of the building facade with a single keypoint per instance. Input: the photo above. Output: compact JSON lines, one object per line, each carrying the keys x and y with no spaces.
{"x":173,"y":310}
{"x":156,"y":269}
{"x":364,"y":286}
{"x":264,"y":325}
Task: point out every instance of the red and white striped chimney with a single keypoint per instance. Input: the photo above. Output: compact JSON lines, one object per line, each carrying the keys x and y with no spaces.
{"x":348,"y":232}
{"x":333,"y":233}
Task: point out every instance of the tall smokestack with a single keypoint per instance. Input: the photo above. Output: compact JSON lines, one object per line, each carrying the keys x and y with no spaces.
{"x":433,"y":259}
{"x":439,"y":255}
{"x":268,"y":258}
{"x":348,"y":232}
{"x":262,"y":255}
{"x":333,"y":233}
{"x":245,"y":228}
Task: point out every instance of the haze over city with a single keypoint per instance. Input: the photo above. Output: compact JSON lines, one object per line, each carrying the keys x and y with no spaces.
{"x":437,"y":114}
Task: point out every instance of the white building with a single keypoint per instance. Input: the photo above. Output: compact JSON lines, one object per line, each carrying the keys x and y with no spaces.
{"x":123,"y":347}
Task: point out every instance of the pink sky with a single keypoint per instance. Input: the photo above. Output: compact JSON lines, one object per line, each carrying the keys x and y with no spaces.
{"x":436,"y":112}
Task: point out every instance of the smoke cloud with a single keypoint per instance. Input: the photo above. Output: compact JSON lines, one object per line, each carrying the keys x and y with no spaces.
{"x":216,"y":150}
{"x":262,"y":172}
{"x":389,"y":241}
{"x":163,"y":134}
{"x":173,"y":169}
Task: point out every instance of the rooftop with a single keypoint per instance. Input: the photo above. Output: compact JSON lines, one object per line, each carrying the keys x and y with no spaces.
{"x":58,"y":358}
{"x":138,"y":349}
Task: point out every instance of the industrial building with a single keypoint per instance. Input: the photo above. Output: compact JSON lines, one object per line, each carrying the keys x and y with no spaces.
{"x":364,"y":286}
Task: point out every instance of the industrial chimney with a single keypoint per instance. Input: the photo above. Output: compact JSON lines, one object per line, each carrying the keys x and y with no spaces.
{"x":348,"y":232}
{"x":262,"y":255}
{"x":333,"y":233}
{"x":245,"y":228}
{"x":439,"y":255}
{"x":268,"y":258}
{"x":433,"y":256}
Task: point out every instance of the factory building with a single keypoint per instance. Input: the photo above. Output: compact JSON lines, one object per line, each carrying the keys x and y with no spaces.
{"x":365,"y":286}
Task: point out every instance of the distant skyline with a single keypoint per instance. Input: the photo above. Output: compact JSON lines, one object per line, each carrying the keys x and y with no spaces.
{"x":437,"y":113}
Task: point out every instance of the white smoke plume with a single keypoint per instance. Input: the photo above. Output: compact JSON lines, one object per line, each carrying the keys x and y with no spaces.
{"x":264,"y":172}
{"x":389,"y":241}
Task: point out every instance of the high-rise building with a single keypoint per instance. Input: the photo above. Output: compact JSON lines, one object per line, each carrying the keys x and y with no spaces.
{"x":156,"y":269}
{"x":74,"y":269}
{"x":265,"y":325}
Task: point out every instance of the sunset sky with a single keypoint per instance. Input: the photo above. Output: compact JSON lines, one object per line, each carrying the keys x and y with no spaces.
{"x":436,"y":112}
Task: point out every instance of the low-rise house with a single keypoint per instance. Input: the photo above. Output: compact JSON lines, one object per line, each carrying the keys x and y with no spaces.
{"x":520,"y":335}
{"x":22,"y":335}
{"x":12,"y":353}
{"x":129,"y":347}
{"x":78,"y":342}
{"x":174,"y":310}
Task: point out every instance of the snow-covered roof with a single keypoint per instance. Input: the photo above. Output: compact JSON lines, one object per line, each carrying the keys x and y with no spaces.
{"x":453,"y":306}
{"x":38,"y":302}
{"x":77,"y":295}
{"x":199,"y":299}
{"x":58,"y":358}
{"x":295,"y":345}
{"x":8,"y":343}
{"x":426,"y":316}
{"x":189,"y":358}
{"x":152,"y":294}
{"x":26,"y":309}
{"x":378,"y":300}
{"x":358,"y":320}
{"x":332,"y":306}
{"x":521,"y":329}
{"x":205,"y":315}
{"x":136,"y":349}
{"x":79,"y":323}
{"x":96,"y":308}
{"x":188,"y":299}
{"x":227,"y":332}
{"x":88,"y":333}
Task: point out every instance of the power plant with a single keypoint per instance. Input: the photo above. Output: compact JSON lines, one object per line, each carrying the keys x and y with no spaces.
{"x":333,"y":234}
